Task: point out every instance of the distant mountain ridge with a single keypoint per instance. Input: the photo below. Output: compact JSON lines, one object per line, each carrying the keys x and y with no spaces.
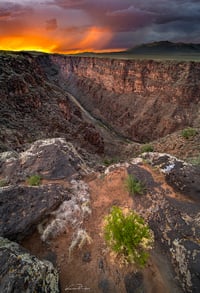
{"x":164,"y":47}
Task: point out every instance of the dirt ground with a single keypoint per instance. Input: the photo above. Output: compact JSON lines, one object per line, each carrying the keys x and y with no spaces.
{"x":92,"y":268}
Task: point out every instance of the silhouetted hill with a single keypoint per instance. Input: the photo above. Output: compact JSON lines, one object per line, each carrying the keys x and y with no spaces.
{"x":164,"y":47}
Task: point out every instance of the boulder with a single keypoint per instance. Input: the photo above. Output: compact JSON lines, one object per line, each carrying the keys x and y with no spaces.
{"x":22,"y":208}
{"x":51,"y":158}
{"x":21,"y":272}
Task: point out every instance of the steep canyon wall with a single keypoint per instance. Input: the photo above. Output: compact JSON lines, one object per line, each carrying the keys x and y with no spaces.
{"x":140,"y":99}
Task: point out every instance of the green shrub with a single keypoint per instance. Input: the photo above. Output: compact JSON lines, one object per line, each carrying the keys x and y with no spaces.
{"x":128,"y":236}
{"x":3,"y":182}
{"x":133,"y":185}
{"x":34,"y":180}
{"x":147,"y":148}
{"x":194,"y":160}
{"x":109,"y":161}
{"x":188,"y":132}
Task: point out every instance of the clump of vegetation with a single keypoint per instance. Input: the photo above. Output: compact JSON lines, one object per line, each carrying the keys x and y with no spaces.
{"x":3,"y":182}
{"x":147,"y":148}
{"x":128,"y":236}
{"x":133,"y":185}
{"x":34,"y":180}
{"x":188,"y":132}
{"x":194,"y":160}
{"x":109,"y":161}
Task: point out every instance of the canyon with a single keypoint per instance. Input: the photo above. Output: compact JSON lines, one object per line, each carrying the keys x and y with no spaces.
{"x":139,"y":100}
{"x":67,"y":118}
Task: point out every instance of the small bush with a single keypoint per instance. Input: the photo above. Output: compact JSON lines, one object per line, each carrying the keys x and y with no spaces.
{"x":194,"y":160}
{"x":109,"y":161}
{"x":3,"y":182}
{"x":34,"y":180}
{"x":147,"y":148}
{"x":128,"y":236}
{"x":133,"y":185}
{"x":188,"y":132}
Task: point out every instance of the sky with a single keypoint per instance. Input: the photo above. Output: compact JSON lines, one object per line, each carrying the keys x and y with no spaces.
{"x":71,"y":26}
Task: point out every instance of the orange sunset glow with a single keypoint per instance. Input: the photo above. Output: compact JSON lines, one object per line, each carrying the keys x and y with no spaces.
{"x":42,"y":41}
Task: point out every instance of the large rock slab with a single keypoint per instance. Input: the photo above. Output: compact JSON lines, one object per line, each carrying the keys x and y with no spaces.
{"x":21,"y":272}
{"x":51,"y":158}
{"x":22,"y":208}
{"x":183,"y":177}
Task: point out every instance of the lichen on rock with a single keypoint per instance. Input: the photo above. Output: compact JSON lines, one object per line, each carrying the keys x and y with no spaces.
{"x":21,"y":272}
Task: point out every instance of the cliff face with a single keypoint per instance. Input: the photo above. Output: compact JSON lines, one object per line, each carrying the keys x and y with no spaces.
{"x":142,"y":100}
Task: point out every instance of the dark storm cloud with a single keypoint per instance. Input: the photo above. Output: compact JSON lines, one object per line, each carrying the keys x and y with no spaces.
{"x":10,"y":9}
{"x":176,"y":20}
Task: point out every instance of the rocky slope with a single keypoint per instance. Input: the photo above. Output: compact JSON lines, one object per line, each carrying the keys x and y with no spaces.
{"x":32,"y":107}
{"x":61,"y":220}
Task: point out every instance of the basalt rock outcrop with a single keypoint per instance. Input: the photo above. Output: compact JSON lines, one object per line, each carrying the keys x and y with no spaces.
{"x":53,"y":160}
{"x":173,"y":218}
{"x":23,"y":208}
{"x":21,"y":272}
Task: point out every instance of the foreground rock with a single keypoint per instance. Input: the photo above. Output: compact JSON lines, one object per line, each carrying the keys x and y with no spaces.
{"x":183,"y":177}
{"x":51,"y":158}
{"x":23,"y":208}
{"x":21,"y":272}
{"x":173,"y":216}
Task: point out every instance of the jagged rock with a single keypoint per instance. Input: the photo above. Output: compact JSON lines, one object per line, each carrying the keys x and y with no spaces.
{"x":174,"y":219}
{"x":51,"y":158}
{"x":21,"y":272}
{"x":183,"y":177}
{"x":22,"y":208}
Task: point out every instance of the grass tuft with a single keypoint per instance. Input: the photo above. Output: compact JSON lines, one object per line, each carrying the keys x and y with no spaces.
{"x":34,"y":180}
{"x":133,"y":185}
{"x":188,"y":132}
